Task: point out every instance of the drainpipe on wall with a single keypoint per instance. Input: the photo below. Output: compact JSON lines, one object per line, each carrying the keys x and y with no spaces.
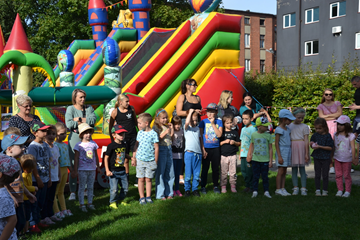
{"x":300,"y":22}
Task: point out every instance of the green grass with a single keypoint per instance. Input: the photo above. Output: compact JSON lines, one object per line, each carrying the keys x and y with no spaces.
{"x":224,"y":216}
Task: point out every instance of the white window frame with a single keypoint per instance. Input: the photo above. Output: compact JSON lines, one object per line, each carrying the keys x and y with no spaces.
{"x":312,"y":15}
{"x":247,"y":68}
{"x":247,"y":46}
{"x":262,"y":47}
{"x":338,"y":9}
{"x":289,"y":20}
{"x":357,"y":36}
{"x":312,"y":48}
{"x":262,"y":70}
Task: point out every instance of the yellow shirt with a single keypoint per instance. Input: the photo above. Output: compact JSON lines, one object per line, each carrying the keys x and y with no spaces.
{"x":28,"y":183}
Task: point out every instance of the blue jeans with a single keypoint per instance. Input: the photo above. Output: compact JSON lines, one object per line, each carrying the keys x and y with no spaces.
{"x":177,"y":168}
{"x":39,"y":204}
{"x":192,"y":167}
{"x":164,"y":173}
{"x":263,"y":169}
{"x":119,"y":177}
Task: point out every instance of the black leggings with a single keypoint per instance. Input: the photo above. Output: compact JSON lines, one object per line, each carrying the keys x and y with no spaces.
{"x":213,"y":156}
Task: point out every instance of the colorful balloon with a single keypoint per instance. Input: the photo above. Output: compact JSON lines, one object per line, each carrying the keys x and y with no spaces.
{"x":65,"y":60}
{"x":111,"y":52}
{"x":200,"y":6}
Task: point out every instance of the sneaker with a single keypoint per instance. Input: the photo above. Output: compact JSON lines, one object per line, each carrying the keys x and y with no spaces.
{"x":295,"y":191}
{"x":67,"y":213}
{"x":332,"y":170}
{"x":223,"y":189}
{"x":254,"y":195}
{"x":126,"y":204}
{"x":286,"y":192}
{"x":83,"y":208}
{"x":148,"y":200}
{"x":203,"y":190}
{"x":317,"y":193}
{"x":339,"y":194}
{"x":72,"y":197}
{"x":346,"y":194}
{"x":136,"y":185}
{"x":233,"y":189}
{"x":303,"y":191}
{"x":42,"y":225}
{"x":91,"y":207}
{"x":113,"y":206}
{"x":267,"y":194}
{"x":47,"y":221}
{"x":60,"y":215}
{"x":178,"y":193}
{"x":324,"y":193}
{"x":187,"y":194}
{"x":142,"y":201}
{"x":35,"y":229}
{"x":196,"y":193}
{"x":175,"y":194}
{"x":216,"y":190}
{"x":55,"y":219}
{"x":280,"y":192}
{"x":352,"y":170}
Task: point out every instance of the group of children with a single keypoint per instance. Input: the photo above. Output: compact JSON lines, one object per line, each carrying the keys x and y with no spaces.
{"x":158,"y":153}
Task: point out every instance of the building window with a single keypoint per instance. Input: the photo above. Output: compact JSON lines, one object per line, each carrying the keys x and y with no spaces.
{"x":247,"y":20}
{"x":337,"y":9}
{"x":289,"y":20}
{"x":262,"y":66}
{"x":247,"y":65}
{"x":357,"y":41}
{"x":312,"y":15}
{"x":311,"y":47}
{"x":247,"y":40}
{"x":262,"y":22}
{"x":262,"y":41}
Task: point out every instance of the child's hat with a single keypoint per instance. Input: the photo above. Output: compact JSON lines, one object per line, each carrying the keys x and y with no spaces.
{"x":8,"y":165}
{"x":212,"y":106}
{"x":262,"y":121}
{"x":118,"y":129}
{"x":12,"y":139}
{"x":37,"y":125}
{"x":83,"y":127}
{"x":284,"y":113}
{"x":343,"y":119}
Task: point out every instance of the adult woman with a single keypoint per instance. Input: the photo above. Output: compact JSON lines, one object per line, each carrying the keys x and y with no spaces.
{"x":225,"y":107}
{"x":330,"y":110}
{"x":249,"y":104}
{"x":24,"y":119}
{"x":76,"y":114}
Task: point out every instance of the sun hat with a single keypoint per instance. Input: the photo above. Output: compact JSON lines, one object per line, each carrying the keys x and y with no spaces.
{"x":83,"y":127}
{"x":118,"y":129}
{"x":12,"y":139}
{"x":343,"y":119}
{"x":262,"y":121}
{"x":284,"y":113}
{"x":37,"y":125}
{"x":212,"y":106}
{"x":8,"y":165}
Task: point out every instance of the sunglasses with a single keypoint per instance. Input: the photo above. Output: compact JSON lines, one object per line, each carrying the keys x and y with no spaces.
{"x":194,"y":84}
{"x":328,"y":94}
{"x":27,"y":106}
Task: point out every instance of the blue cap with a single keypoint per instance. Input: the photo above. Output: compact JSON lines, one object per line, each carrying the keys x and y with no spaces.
{"x":284,"y":113}
{"x":12,"y":139}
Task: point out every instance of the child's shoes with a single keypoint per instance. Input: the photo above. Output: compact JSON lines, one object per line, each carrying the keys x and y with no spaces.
{"x":295,"y":191}
{"x":72,"y":196}
{"x":55,"y":219}
{"x":346,"y":194}
{"x":187,"y":194}
{"x":178,"y":193}
{"x":324,"y":193}
{"x":233,"y":188}
{"x":223,"y":189}
{"x":339,"y":194}
{"x":196,"y":193}
{"x":47,"y":221}
{"x":267,"y":194}
{"x":35,"y":229}
{"x":67,"y":213}
{"x":280,"y":192}
{"x":175,"y":194}
{"x":142,"y":201}
{"x":303,"y":192}
{"x":113,"y":206}
{"x":83,"y":208}
{"x":318,"y":193}
{"x":216,"y":190}
{"x":91,"y":207}
{"x":60,"y":215}
{"x":286,"y":192}
{"x":254,"y":195}
{"x":148,"y":200}
{"x":125,"y":204}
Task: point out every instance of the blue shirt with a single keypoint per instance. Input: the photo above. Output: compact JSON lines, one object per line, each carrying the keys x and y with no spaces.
{"x":245,"y":138}
{"x":209,"y":137}
{"x":64,"y":159}
{"x":244,"y":108}
{"x":42,"y":154}
{"x":146,"y":150}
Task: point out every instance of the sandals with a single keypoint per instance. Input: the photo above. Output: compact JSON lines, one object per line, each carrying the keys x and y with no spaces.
{"x":142,"y":201}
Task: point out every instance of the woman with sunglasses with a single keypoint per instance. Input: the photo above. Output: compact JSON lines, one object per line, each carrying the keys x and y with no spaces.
{"x":23,"y":120}
{"x":330,"y":110}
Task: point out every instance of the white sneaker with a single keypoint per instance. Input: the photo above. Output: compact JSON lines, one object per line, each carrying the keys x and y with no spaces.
{"x":67,"y":213}
{"x":92,"y":207}
{"x":339,"y":194}
{"x":83,"y":208}
{"x":60,"y":215}
{"x":72,"y":196}
{"x":280,"y":192}
{"x":255,"y":193}
{"x":303,"y":191}
{"x":267,"y":194}
{"x":295,"y":191}
{"x":346,"y":194}
{"x":332,"y":170}
{"x":318,"y":193}
{"x":352,"y":170}
{"x":286,"y":192}
{"x":324,"y":193}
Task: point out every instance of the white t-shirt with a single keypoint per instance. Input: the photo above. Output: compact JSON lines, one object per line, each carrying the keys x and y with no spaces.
{"x":54,"y":164}
{"x":7,"y":209}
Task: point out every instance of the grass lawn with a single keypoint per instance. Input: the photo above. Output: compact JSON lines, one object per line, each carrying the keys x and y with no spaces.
{"x":224,"y":216}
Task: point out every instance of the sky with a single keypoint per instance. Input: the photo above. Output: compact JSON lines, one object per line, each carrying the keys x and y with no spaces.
{"x":261,"y":6}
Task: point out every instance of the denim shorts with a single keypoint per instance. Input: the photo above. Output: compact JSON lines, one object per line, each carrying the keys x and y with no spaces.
{"x":145,"y":169}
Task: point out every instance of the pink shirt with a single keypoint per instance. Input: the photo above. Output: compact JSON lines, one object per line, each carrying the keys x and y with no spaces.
{"x":329,"y":109}
{"x":343,"y":148}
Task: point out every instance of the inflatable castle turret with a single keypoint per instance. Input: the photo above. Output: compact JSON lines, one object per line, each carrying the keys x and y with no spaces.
{"x":141,"y":14}
{"x":98,"y":19}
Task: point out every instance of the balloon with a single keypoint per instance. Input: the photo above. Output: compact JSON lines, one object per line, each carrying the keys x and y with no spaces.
{"x":65,"y":60}
{"x":200,"y":6}
{"x":111,"y":52}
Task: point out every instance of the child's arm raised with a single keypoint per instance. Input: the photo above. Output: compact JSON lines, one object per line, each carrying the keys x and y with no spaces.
{"x":188,"y":118}
{"x":9,"y":227}
{"x":271,"y":155}
{"x":171,"y":127}
{"x":250,"y":152}
{"x":218,"y":131}
{"x":277,"y":147}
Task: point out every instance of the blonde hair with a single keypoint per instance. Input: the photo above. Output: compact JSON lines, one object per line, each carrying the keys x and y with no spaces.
{"x":22,"y":99}
{"x":119,"y":99}
{"x":146,"y":117}
{"x":60,"y":125}
{"x":157,"y":115}
{"x":12,"y":130}
{"x":74,"y":93}
{"x":323,"y":96}
{"x":224,"y":98}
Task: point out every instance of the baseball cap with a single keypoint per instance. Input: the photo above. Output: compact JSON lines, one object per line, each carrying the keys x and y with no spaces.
{"x":8,"y":165}
{"x":262,"y":121}
{"x":343,"y":119}
{"x":212,"y":106}
{"x":12,"y":139}
{"x":37,"y":125}
{"x":284,"y":113}
{"x":118,"y":129}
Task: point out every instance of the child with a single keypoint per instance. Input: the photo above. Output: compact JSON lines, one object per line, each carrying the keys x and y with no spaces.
{"x":65,"y":165}
{"x":211,"y":130}
{"x":55,"y":174}
{"x":283,"y":150}
{"x":165,"y":169}
{"x":299,"y":150}
{"x":145,"y":156}
{"x":344,"y":153}
{"x":245,"y":138}
{"x":86,"y":164}
{"x":177,"y":151}
{"x":9,"y":171}
{"x":28,"y":164}
{"x":323,"y":144}
{"x":42,"y":173}
{"x":229,"y":147}
{"x":115,"y":166}
{"x":193,"y":153}
{"x":260,"y":155}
